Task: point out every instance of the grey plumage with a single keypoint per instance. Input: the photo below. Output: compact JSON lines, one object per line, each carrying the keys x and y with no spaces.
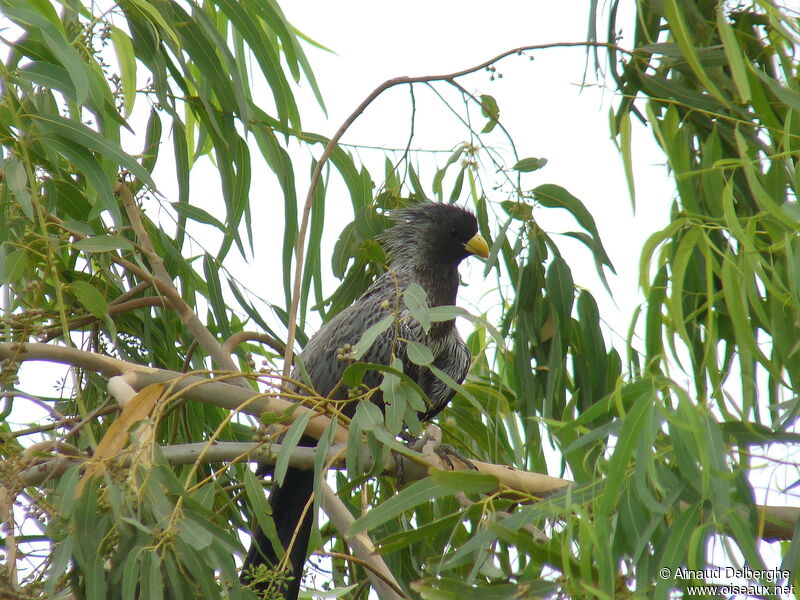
{"x":425,"y":246}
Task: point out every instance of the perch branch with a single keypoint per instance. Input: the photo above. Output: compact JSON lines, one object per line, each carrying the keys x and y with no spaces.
{"x":779,"y":521}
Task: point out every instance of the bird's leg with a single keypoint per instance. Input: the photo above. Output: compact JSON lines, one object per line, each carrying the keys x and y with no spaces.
{"x":412,"y":442}
{"x":409,"y":438}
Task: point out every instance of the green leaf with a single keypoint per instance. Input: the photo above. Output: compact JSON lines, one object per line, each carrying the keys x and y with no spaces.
{"x":491,"y":111}
{"x":733,"y":53}
{"x":371,"y":334}
{"x":289,"y":443}
{"x":50,"y":76}
{"x":625,"y":150}
{"x":420,"y":533}
{"x":649,"y":248}
{"x":131,"y":574}
{"x":215,"y":297}
{"x":127,"y":64}
{"x":418,"y":492}
{"x":82,"y":135}
{"x":416,"y":300}
{"x":196,"y":213}
{"x":457,"y":186}
{"x":354,"y":374}
{"x":526,"y":165}
{"x":439,"y":176}
{"x":17,"y":180}
{"x":687,"y":245}
{"x":90,"y":297}
{"x":554,"y":196}
{"x":633,"y":422}
{"x":470,"y":482}
{"x":89,"y":167}
{"x":254,"y":26}
{"x":103,"y":243}
{"x":194,"y":535}
{"x":560,"y":289}
{"x":152,"y":584}
{"x":54,"y":37}
{"x":674,"y":552}
{"x":394,"y":398}
{"x":262,"y":511}
{"x":418,"y":353}
{"x":152,"y":13}
{"x":680,"y":30}
{"x":13,"y":265}
{"x":60,"y":559}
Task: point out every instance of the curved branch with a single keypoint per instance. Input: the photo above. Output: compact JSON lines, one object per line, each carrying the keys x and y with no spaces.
{"x":252,"y":336}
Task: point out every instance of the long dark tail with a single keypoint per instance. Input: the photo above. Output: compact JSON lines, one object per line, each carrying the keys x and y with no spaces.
{"x":288,"y":501}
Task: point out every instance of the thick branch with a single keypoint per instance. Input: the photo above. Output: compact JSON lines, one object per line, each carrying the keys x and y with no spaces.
{"x":193,"y":387}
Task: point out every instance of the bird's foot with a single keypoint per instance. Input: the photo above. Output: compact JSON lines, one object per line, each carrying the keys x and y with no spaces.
{"x":445,"y":451}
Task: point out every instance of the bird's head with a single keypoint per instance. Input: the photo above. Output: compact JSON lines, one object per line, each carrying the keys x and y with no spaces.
{"x":432,"y":235}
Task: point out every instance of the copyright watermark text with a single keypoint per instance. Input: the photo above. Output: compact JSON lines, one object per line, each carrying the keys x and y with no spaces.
{"x":732,"y":581}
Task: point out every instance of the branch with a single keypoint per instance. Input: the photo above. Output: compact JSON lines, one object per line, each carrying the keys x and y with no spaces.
{"x":779,"y":521}
{"x":379,"y":574}
{"x":229,"y":346}
{"x":193,"y":387}
{"x":49,"y":333}
{"x":217,"y":393}
{"x":165,"y":284}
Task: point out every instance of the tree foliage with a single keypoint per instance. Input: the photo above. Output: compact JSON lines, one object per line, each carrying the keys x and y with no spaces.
{"x":101,"y":108}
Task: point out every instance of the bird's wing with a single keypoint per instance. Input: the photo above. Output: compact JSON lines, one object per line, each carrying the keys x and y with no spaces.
{"x":454,"y":360}
{"x":324,"y":367}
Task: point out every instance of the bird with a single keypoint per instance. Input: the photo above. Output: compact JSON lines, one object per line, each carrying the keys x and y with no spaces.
{"x":425,"y":246}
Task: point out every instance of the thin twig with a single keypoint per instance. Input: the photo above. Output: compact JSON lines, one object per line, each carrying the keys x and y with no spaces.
{"x":50,"y":333}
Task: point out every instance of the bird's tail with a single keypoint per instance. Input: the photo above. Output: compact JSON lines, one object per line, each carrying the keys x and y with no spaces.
{"x":289,"y":512}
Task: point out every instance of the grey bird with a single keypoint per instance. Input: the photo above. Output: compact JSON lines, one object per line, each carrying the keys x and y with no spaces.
{"x":425,"y":246}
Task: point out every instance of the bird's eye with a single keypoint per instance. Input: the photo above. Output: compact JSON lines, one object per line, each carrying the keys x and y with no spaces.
{"x":453,"y":232}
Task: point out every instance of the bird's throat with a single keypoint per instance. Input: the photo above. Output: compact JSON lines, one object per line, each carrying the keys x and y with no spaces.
{"x":440,"y":285}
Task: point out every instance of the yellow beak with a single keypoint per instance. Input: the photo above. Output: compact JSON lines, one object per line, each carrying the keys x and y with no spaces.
{"x":478,"y":246}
